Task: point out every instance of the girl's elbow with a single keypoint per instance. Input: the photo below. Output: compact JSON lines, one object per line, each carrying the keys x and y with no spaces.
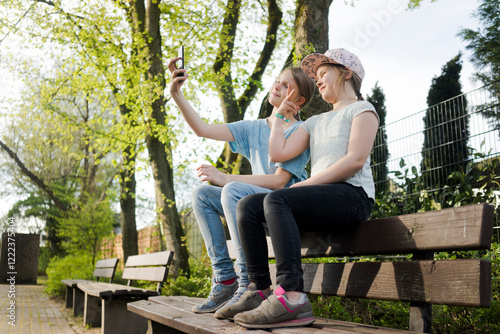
{"x":280,"y":184}
{"x":275,"y":158}
{"x":358,"y":165}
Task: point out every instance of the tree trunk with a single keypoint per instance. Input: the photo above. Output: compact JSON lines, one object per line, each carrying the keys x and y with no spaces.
{"x":311,"y":30}
{"x":127,"y":205}
{"x":160,"y":154}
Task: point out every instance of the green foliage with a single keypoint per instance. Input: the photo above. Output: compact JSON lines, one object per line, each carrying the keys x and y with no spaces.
{"x":197,"y":285}
{"x":83,"y":229}
{"x":44,"y":259}
{"x":76,"y":266}
{"x":476,"y":183}
{"x":485,"y":42}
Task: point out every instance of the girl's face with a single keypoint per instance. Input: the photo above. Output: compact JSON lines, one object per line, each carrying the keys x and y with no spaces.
{"x":279,"y":89}
{"x":328,"y":79}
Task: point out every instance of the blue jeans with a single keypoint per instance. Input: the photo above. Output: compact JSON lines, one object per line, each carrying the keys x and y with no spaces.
{"x":285,"y":212}
{"x":209,"y":204}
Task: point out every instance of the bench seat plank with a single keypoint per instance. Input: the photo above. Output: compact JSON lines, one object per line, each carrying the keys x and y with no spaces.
{"x":106,"y":290}
{"x":175,"y":312}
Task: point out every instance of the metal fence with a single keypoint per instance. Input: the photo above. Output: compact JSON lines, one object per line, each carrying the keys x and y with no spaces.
{"x":454,"y":135}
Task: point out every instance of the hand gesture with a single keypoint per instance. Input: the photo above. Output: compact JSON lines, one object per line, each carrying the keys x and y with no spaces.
{"x":212,"y":174}
{"x":288,"y":108}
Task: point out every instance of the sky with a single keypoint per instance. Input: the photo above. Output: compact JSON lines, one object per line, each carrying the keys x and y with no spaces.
{"x":402,"y":50}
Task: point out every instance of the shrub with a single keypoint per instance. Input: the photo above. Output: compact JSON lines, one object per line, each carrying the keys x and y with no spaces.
{"x":197,"y":285}
{"x":77,"y":266}
{"x":44,"y":260}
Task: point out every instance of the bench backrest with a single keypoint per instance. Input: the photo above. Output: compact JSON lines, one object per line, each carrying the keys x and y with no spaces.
{"x":106,"y":268}
{"x":148,"y":267}
{"x":421,"y":280}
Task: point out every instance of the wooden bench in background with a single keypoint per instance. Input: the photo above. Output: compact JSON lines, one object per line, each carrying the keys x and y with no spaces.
{"x":420,"y":281}
{"x":106,"y":303}
{"x":75,"y":297}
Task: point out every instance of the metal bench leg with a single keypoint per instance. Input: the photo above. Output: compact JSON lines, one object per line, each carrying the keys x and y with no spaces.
{"x":116,"y":319}
{"x":92,"y":311}
{"x":78,"y":302}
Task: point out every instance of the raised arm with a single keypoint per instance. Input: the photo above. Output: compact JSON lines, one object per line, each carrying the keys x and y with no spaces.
{"x":200,"y":128}
{"x":274,"y":181}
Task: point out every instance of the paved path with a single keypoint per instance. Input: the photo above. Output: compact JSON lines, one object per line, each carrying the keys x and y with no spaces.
{"x":34,"y":313}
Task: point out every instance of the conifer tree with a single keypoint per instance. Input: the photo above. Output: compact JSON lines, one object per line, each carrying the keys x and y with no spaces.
{"x":380,"y":153}
{"x":446,"y":127}
{"x":484,"y":44}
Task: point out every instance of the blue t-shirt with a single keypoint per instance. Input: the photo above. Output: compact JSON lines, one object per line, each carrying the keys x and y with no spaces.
{"x":251,"y":139}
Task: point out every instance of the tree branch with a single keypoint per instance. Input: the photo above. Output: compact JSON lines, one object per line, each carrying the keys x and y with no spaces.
{"x":34,"y":178}
{"x":273,"y":24}
{"x":222,"y":64}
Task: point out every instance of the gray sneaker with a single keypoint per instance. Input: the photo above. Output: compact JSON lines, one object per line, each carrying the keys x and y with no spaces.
{"x":276,"y":311}
{"x":250,"y":299}
{"x":218,"y":297}
{"x":237,"y":295}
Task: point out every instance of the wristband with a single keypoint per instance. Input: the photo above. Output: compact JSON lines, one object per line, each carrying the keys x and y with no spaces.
{"x":282,"y":117}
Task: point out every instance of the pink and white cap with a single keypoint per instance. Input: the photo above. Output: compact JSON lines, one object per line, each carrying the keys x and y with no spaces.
{"x":340,"y":56}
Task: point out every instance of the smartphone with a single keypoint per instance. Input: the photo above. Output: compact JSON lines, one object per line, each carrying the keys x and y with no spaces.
{"x":180,"y":53}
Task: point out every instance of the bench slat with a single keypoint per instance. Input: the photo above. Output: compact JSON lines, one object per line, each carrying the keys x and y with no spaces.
{"x":107,"y":272}
{"x":172,"y":314}
{"x":107,"y":263}
{"x":154,"y":274}
{"x":461,"y":228}
{"x":104,"y":290}
{"x":457,"y":282}
{"x":72,"y":283}
{"x":152,"y":259}
{"x":175,"y":312}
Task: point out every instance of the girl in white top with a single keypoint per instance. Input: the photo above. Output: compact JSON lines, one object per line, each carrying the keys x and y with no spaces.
{"x":338,"y":195}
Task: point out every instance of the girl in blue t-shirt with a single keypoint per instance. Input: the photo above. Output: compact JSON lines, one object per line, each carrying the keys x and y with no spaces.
{"x":251,"y":139}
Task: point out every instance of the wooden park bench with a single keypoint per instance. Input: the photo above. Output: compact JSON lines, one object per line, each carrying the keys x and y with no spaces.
{"x":106,"y":303}
{"x":420,"y":281}
{"x":75,"y":297}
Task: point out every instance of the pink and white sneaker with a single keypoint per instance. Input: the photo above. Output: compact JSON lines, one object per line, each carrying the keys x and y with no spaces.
{"x":277,"y":311}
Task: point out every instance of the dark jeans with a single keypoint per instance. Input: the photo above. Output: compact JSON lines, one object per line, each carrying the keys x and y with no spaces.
{"x":285,"y":212}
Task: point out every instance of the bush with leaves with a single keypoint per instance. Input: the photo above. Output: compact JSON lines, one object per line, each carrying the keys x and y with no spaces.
{"x":196,"y":285}
{"x":75,"y":266}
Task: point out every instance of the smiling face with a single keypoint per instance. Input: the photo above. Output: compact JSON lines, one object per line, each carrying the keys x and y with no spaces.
{"x":328,"y":78}
{"x":279,"y":89}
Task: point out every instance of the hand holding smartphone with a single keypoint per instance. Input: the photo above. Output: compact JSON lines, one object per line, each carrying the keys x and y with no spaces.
{"x":180,"y":54}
